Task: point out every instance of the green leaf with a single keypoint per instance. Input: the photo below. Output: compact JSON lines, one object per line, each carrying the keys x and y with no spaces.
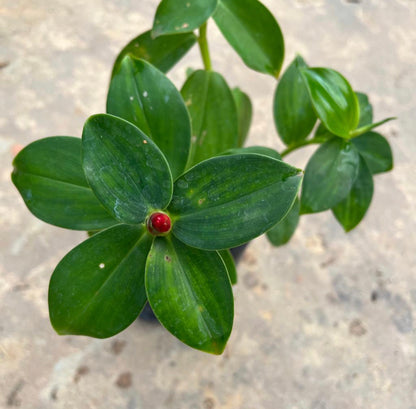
{"x":366,"y":109}
{"x":260,"y":150}
{"x":213,"y":115}
{"x":144,"y":96}
{"x":322,"y":132}
{"x":163,"y":53}
{"x":181,"y":16}
{"x":98,"y":288}
{"x":350,"y":211}
{"x":244,"y":113}
{"x":125,"y":169}
{"x":283,"y":231}
{"x":228,"y":260}
{"x":253,"y":32}
{"x":366,"y":128}
{"x":228,"y":200}
{"x":190,"y":293}
{"x":366,"y":117}
{"x":333,"y":99}
{"x":294,"y":116}
{"x":48,"y":174}
{"x":329,"y":175}
{"x":376,"y":151}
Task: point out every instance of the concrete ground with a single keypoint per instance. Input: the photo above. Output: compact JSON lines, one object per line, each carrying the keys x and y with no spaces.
{"x":326,"y":322}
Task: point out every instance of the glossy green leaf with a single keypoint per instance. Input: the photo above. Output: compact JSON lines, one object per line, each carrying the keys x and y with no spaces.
{"x":366,"y":109}
{"x":163,"y":53}
{"x":253,"y":32}
{"x":48,"y":174}
{"x":244,"y":113}
{"x":98,"y":288}
{"x":228,"y":260}
{"x":125,"y":169}
{"x":376,"y":151}
{"x":260,"y":150}
{"x":144,"y":96}
{"x":190,"y":293}
{"x":366,"y":117}
{"x":350,"y":211}
{"x":366,"y":128}
{"x":181,"y":16}
{"x":294,"y":116}
{"x":283,"y":231}
{"x":329,"y":175}
{"x":228,"y":200}
{"x":213,"y":115}
{"x":333,"y":99}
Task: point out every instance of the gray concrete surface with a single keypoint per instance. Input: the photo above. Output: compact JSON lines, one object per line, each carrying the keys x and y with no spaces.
{"x":327,"y":322}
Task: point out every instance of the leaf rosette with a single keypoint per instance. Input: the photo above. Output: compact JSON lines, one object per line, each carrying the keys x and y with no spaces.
{"x":164,"y":241}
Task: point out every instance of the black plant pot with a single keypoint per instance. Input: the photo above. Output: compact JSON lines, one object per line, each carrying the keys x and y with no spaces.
{"x":147,"y":312}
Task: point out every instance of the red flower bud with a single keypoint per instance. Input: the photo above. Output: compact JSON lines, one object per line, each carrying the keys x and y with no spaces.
{"x":159,"y":223}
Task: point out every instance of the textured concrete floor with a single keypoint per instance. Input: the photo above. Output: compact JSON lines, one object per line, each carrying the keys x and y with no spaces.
{"x":327,"y":322}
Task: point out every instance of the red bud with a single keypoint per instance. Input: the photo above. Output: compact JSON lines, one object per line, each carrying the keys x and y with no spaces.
{"x":159,"y":223}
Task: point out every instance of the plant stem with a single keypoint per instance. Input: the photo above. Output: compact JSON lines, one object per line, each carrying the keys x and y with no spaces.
{"x":203,"y":47}
{"x":302,"y":144}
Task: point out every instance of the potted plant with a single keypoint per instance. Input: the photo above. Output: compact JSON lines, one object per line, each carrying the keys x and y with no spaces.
{"x":164,"y":186}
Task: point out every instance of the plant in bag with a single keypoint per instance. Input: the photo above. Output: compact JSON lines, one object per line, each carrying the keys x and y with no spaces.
{"x":163,"y":184}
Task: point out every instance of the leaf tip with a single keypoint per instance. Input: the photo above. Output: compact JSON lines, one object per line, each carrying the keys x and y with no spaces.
{"x":276,"y":74}
{"x":216,"y":347}
{"x":299,"y":62}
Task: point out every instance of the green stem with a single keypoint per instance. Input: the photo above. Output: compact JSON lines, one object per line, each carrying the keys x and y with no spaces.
{"x":301,"y":144}
{"x":203,"y":47}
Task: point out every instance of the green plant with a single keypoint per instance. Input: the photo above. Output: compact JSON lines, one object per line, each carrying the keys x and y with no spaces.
{"x":165,"y":188}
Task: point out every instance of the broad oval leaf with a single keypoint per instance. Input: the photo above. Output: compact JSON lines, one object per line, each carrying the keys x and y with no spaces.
{"x":376,"y":151}
{"x":253,"y":32}
{"x":244,"y":114}
{"x":329,"y":175}
{"x":283,"y":231}
{"x":213,"y":115}
{"x":260,"y":150}
{"x":144,"y":96}
{"x":163,"y":53}
{"x":350,"y":211}
{"x":366,"y":117}
{"x":98,"y":289}
{"x":228,"y":260}
{"x":294,"y":116}
{"x":48,"y":174}
{"x":190,"y":293}
{"x":181,"y":16}
{"x":125,"y":169}
{"x":222,"y":202}
{"x":334,"y":100}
